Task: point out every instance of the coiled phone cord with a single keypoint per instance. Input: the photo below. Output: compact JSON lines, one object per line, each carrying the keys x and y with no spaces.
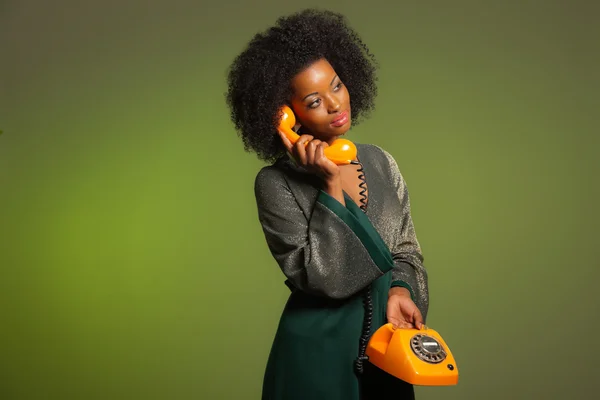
{"x":367,"y":297}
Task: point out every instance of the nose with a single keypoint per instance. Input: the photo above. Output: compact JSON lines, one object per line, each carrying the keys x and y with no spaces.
{"x":334,"y":105}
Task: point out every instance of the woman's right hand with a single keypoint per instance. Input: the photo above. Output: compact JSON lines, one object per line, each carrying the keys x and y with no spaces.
{"x":311,"y":156}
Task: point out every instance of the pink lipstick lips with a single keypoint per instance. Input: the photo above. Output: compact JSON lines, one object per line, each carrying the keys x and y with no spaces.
{"x":340,"y":120}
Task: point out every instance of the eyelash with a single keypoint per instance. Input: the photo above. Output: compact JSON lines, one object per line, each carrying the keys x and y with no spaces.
{"x":337,"y":87}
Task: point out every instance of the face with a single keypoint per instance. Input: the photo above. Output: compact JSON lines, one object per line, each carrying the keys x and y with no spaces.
{"x":321,"y":102}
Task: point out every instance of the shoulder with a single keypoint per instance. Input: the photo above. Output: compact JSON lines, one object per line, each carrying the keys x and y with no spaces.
{"x":269,"y":178}
{"x":377,"y":156}
{"x":384,"y":162}
{"x":274,"y":180}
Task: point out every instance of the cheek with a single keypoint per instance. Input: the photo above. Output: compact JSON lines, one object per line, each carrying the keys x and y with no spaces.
{"x":311,"y":118}
{"x":300,"y":114}
{"x":321,"y":118}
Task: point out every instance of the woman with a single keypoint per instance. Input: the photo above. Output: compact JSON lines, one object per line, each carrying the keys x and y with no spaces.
{"x":342,"y":235}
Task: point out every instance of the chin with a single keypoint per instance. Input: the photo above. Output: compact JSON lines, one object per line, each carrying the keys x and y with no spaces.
{"x":343,"y":131}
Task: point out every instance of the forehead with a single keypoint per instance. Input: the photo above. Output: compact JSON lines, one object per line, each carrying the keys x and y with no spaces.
{"x":318,"y":75}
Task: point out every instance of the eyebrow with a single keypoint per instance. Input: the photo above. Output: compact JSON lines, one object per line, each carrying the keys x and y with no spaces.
{"x":311,"y":94}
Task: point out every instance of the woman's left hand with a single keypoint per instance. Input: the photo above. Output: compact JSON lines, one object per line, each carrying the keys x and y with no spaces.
{"x":402,"y":312}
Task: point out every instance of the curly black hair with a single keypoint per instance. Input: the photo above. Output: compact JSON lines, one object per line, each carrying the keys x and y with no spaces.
{"x":259,"y":78}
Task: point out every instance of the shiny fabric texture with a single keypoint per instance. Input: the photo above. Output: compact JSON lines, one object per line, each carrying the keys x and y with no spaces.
{"x":328,"y":259}
{"x":320,"y":254}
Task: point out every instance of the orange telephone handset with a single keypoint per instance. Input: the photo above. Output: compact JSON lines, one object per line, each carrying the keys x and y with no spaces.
{"x":341,"y":151}
{"x":417,"y":356}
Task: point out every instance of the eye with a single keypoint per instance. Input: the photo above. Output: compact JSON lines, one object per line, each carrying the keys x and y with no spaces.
{"x":315,"y":104}
{"x":338,"y":86}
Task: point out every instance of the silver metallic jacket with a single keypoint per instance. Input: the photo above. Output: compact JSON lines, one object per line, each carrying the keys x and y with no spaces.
{"x":318,"y":251}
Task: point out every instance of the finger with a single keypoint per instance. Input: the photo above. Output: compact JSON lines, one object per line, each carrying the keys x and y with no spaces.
{"x":320,"y":153}
{"x":307,"y":138}
{"x":321,"y":150}
{"x":323,"y":162}
{"x":394,"y":315}
{"x":299,"y":148}
{"x":400,"y":324}
{"x":286,"y":142}
{"x":311,"y":149}
{"x":418,"y":319}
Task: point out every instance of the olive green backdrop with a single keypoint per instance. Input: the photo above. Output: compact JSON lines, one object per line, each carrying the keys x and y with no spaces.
{"x":132,"y":262}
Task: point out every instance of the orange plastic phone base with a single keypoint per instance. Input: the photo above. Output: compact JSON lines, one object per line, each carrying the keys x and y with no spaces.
{"x":390,"y":350}
{"x":341,"y":151}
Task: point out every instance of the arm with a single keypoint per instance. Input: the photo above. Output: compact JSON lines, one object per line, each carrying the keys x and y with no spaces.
{"x":328,"y":253}
{"x":408,"y":271}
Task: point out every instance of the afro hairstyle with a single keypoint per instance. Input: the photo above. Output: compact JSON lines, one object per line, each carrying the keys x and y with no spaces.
{"x":259,"y":79}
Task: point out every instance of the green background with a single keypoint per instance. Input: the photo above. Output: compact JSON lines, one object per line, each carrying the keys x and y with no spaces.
{"x":132,"y":262}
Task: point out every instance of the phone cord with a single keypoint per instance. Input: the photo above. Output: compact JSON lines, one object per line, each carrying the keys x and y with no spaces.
{"x":367,"y":298}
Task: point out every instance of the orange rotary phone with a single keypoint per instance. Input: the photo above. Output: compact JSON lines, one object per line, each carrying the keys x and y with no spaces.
{"x":417,"y":356}
{"x":341,"y":152}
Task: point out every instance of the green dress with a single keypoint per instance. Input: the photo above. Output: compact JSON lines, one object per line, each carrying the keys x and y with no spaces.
{"x":329,"y":254}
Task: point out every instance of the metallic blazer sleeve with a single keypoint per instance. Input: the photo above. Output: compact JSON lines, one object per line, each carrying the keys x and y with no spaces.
{"x":408,"y":270}
{"x":328,"y":253}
